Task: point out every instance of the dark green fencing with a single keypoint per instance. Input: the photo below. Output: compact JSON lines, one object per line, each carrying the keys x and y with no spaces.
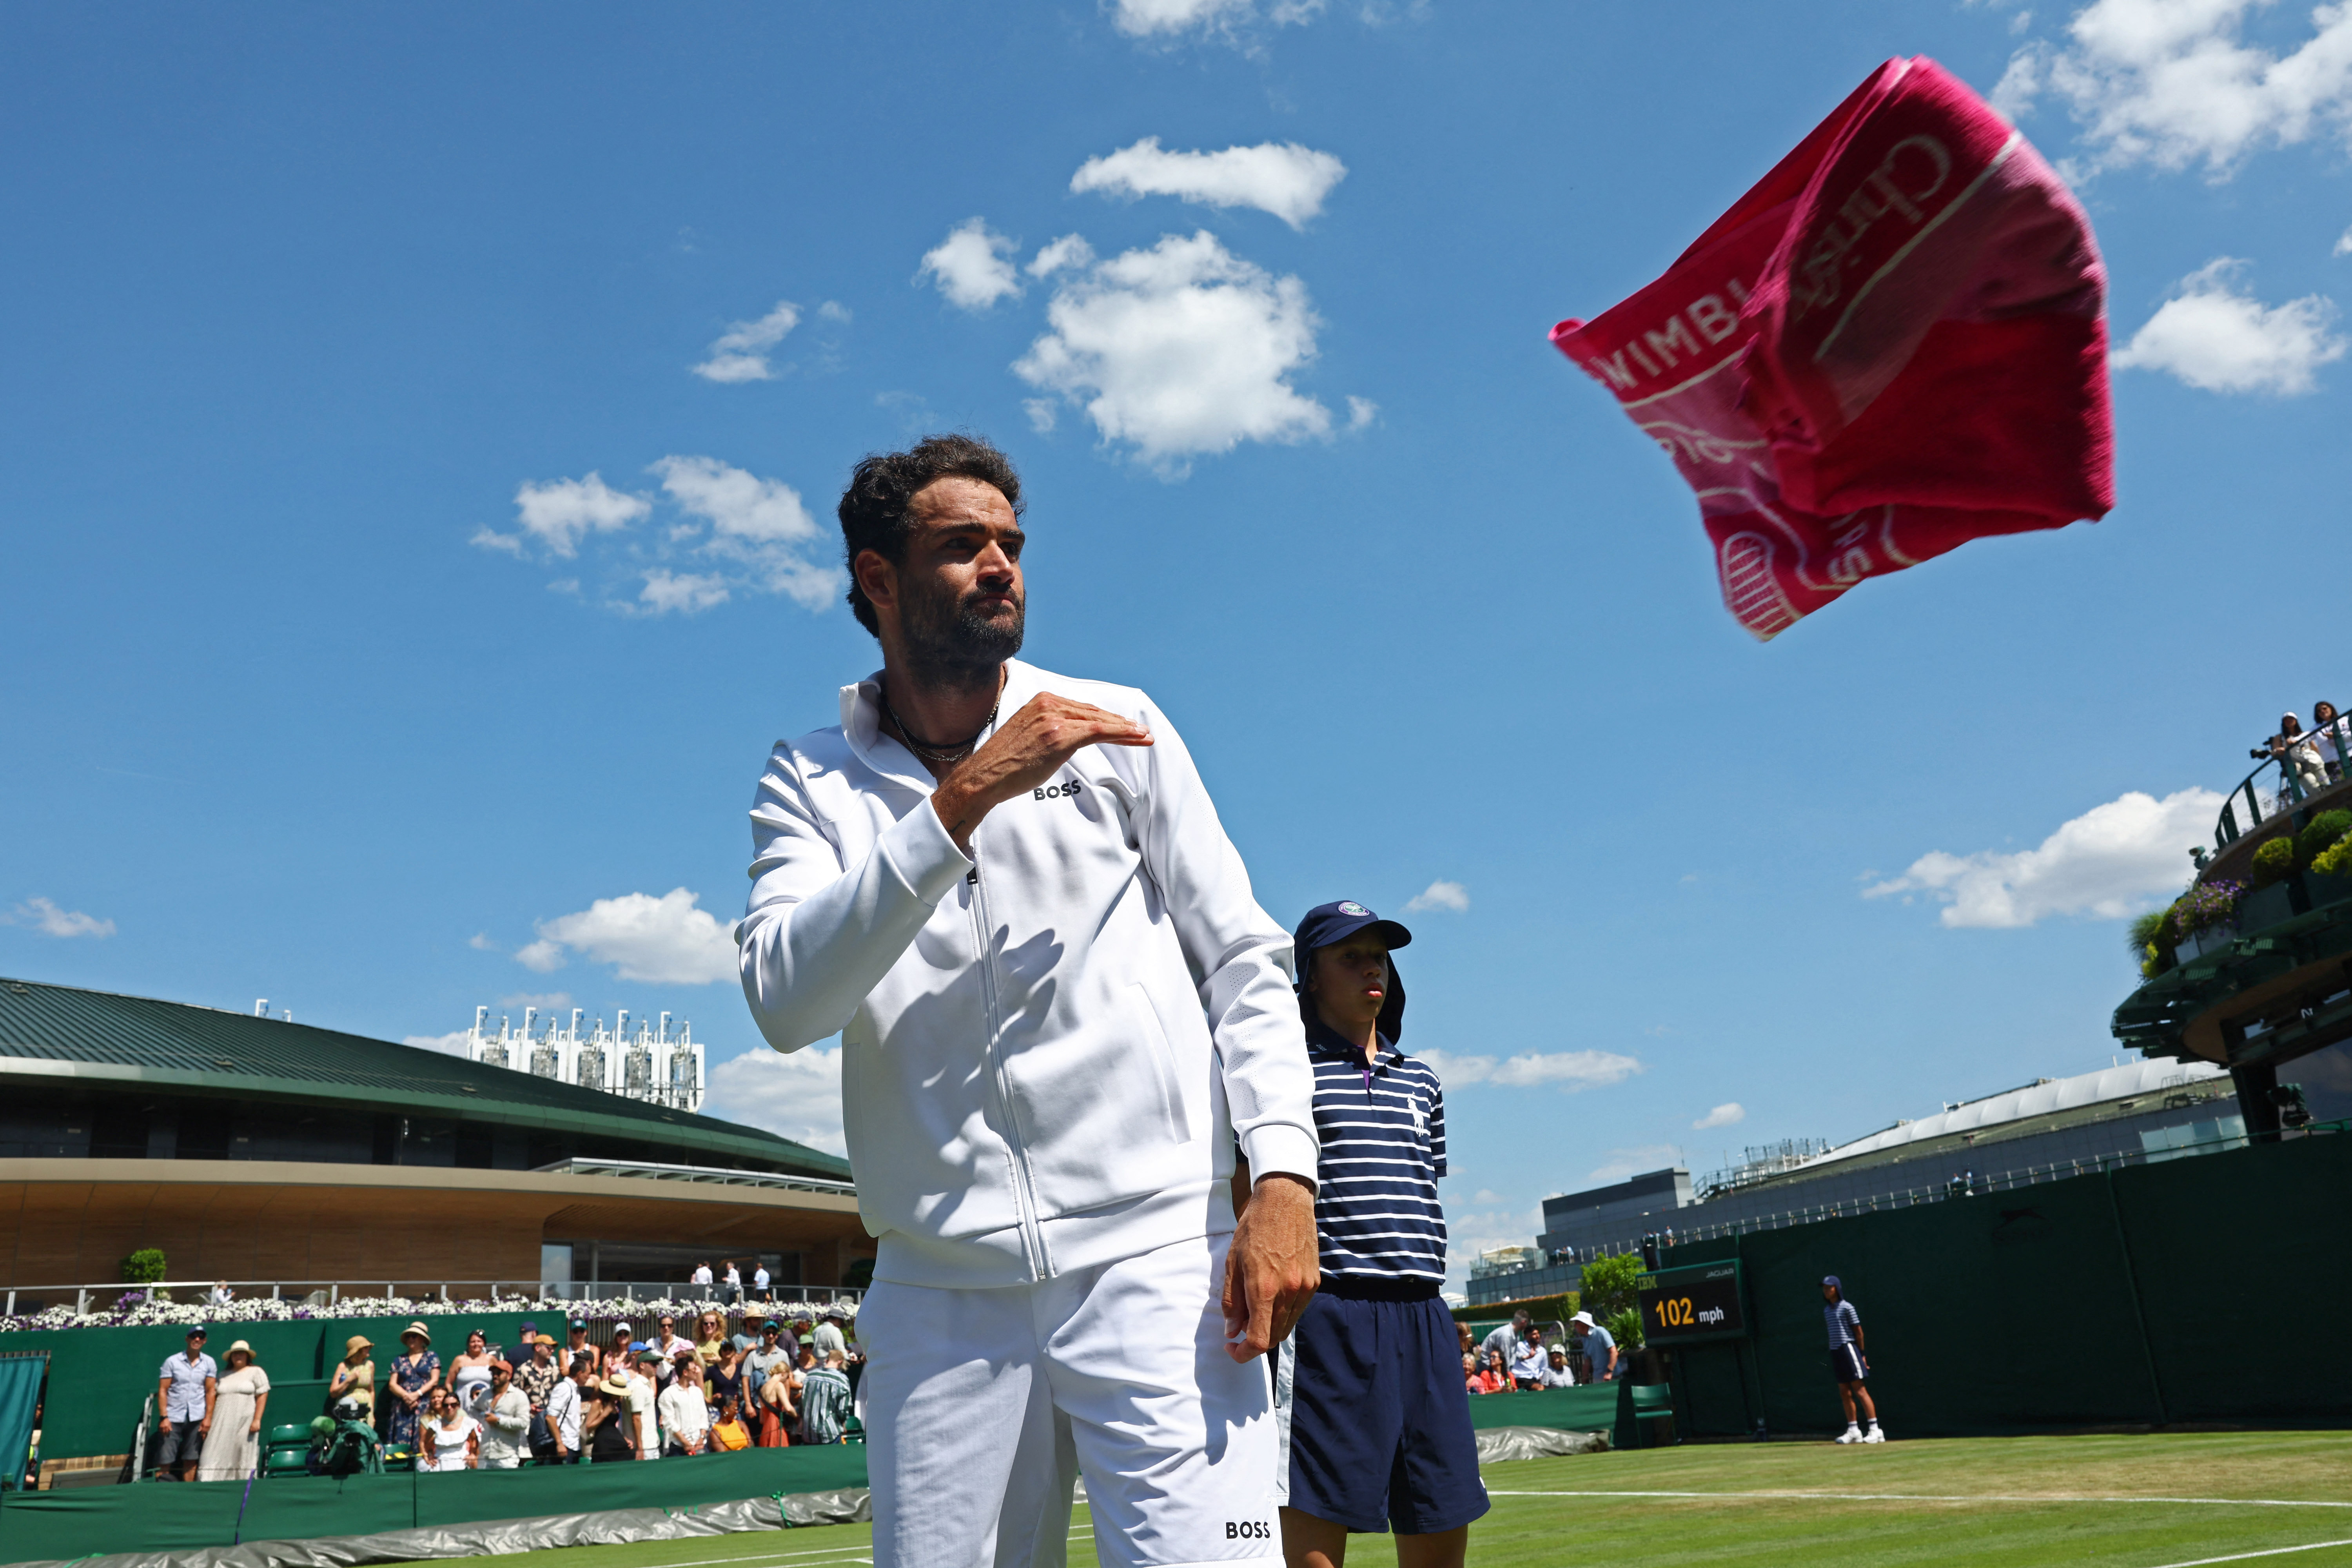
{"x":157,"y":1516}
{"x":2206,"y":1289}
{"x":1588,"y":1409}
{"x":98,"y":1377}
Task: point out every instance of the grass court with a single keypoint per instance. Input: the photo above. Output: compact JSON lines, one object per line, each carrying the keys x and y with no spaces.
{"x":2150,"y":1502}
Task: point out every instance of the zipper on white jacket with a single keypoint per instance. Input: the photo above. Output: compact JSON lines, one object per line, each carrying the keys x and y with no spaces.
{"x":1024,"y":1192}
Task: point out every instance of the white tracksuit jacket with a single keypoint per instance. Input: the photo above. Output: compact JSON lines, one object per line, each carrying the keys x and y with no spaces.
{"x":1047,"y":1048}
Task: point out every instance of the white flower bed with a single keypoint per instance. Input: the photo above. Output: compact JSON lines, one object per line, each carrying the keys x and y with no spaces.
{"x":128,"y":1307}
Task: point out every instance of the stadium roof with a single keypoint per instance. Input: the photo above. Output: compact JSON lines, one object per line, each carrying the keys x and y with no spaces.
{"x":2047,"y":1097}
{"x":60,"y":1031}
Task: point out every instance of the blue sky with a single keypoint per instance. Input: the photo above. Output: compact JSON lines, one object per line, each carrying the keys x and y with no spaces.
{"x":335,"y":678}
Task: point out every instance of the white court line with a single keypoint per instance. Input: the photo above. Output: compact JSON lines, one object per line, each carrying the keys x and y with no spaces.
{"x":1934,"y":1497}
{"x":2242,"y":1556}
{"x":765,"y":1557}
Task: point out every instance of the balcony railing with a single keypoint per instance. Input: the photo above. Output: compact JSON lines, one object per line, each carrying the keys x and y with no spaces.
{"x":2285,"y":780}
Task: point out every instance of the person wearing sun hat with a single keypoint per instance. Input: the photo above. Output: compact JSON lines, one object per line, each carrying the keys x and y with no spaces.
{"x":1373,"y":1416}
{"x":414,"y":1375}
{"x":355,"y":1375}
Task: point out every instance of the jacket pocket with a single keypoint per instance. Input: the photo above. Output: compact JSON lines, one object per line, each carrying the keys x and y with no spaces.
{"x":1154,"y":1036}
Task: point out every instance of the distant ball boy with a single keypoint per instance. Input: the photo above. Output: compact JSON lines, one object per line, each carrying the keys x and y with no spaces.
{"x":1369,"y":1383}
{"x":1848,"y":1364}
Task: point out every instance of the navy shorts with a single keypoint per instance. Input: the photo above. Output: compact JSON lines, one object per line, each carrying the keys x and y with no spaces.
{"x":1845,"y":1364}
{"x":1375,"y":1419}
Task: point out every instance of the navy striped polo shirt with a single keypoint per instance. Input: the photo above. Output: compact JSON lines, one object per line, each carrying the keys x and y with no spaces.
{"x":1384,"y":1130}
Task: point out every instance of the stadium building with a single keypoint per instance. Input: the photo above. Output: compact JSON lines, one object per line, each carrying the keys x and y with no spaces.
{"x":2148,"y":1111}
{"x":260,"y":1151}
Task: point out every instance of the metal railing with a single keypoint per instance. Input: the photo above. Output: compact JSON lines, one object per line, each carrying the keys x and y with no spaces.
{"x":413,"y":1293}
{"x":648,"y":1170}
{"x":2303,"y":772}
{"x":1960,"y":1185}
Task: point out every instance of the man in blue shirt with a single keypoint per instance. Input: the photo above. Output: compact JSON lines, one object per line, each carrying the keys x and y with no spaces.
{"x":185,"y":1392}
{"x":1600,"y":1347}
{"x":1848,"y":1364}
{"x":1370,"y":1393}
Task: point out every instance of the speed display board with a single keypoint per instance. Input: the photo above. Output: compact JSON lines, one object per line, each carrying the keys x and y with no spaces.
{"x":1701,"y":1301}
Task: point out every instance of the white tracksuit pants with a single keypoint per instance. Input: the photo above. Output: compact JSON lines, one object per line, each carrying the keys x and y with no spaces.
{"x":983,"y":1407}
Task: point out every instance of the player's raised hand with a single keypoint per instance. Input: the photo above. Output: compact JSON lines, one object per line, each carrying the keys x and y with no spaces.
{"x":1026,"y":750}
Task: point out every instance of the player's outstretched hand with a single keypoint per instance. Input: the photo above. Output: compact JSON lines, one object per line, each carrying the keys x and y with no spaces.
{"x":1271,"y":1269}
{"x":1026,"y":750}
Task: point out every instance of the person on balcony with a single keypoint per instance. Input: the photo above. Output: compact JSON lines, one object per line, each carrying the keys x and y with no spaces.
{"x":2296,"y":755}
{"x":2332,"y":736}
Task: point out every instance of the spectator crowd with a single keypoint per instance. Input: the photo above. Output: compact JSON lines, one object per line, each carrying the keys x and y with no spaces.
{"x":1515,"y":1355}
{"x":648,"y":1393}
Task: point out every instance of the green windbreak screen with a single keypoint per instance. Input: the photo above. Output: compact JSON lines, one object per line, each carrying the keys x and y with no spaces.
{"x":1591,"y":1409}
{"x":2192,"y":1290}
{"x":20,"y":1396}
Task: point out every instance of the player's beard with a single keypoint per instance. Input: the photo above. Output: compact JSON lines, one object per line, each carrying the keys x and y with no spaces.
{"x":951,"y":644}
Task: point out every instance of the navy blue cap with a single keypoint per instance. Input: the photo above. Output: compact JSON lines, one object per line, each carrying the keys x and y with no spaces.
{"x":1327,"y":923}
{"x":1831,"y":1281}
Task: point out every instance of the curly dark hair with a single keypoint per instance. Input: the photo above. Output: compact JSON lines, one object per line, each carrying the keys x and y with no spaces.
{"x":873,"y":510}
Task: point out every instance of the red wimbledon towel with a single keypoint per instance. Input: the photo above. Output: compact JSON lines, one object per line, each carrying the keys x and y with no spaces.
{"x":1895,"y":343}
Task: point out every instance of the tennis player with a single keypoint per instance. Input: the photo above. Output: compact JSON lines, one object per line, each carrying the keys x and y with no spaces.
{"x":1059,"y":1005}
{"x":1378,"y":1419}
{"x":1849,"y":1364}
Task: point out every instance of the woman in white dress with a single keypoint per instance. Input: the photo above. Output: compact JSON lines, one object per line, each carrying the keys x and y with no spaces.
{"x":451,"y":1440}
{"x":233,"y":1447}
{"x":470,"y":1374}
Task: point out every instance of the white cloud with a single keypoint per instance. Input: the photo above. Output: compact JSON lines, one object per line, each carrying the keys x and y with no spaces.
{"x":44,"y":916}
{"x":561,"y":512}
{"x":1624,"y":1163}
{"x":1573,"y":1071}
{"x":742,"y":533}
{"x":1282,"y":178}
{"x":661,"y":941}
{"x":2109,"y":862}
{"x":1069,"y":251}
{"x":1180,"y":350}
{"x":834,"y":310}
{"x":1362,"y":412}
{"x":1729,"y":1113}
{"x":757,"y":523}
{"x":1147,"y":19}
{"x":1441,"y":895}
{"x":480,"y":943}
{"x":452,"y":1044}
{"x":972,"y":267}
{"x":688,"y":592}
{"x":2174,"y":82}
{"x":2218,"y":339}
{"x":796,"y":1096}
{"x":740,"y":352}
{"x":2344,"y":244}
